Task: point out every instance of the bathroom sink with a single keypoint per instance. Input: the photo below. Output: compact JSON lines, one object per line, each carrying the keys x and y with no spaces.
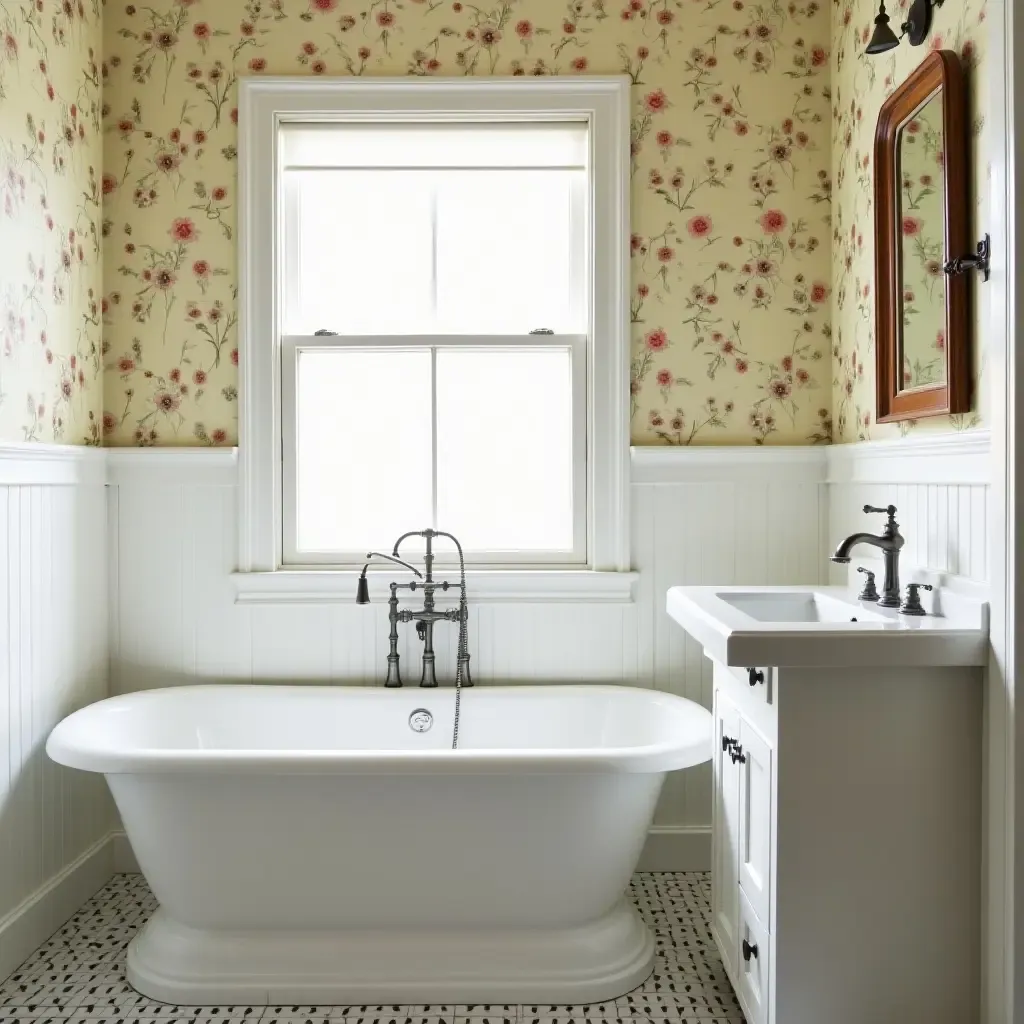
{"x":798,"y":606}
{"x":829,"y":627}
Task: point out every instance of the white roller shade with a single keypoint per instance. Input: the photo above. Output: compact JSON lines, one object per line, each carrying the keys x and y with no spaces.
{"x":340,"y":145}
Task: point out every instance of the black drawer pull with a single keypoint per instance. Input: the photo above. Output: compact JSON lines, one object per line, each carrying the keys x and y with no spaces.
{"x":749,"y":951}
{"x":755,"y":676}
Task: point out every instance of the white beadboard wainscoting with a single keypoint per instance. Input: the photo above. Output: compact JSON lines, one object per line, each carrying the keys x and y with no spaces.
{"x":55,"y":848}
{"x":940,"y":487}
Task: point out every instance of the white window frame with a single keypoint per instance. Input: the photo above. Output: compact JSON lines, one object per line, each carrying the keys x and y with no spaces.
{"x":267,"y":103}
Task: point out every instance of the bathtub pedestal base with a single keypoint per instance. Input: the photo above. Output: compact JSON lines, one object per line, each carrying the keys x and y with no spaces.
{"x":171,"y":962}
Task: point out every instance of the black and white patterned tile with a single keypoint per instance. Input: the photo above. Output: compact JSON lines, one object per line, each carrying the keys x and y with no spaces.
{"x":77,"y":976}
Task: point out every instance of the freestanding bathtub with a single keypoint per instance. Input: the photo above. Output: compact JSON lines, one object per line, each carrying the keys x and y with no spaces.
{"x":307,"y":845}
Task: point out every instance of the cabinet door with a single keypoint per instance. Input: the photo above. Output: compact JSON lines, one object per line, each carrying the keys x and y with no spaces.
{"x":755,"y":819}
{"x":725,"y":832}
{"x":753,"y":970}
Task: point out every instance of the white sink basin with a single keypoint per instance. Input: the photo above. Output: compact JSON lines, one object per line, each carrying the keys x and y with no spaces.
{"x":798,"y":606}
{"x":829,"y":627}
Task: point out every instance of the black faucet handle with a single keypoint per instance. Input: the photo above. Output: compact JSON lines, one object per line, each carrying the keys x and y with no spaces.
{"x":870,"y":592}
{"x":912,"y":603}
{"x":889,"y":510}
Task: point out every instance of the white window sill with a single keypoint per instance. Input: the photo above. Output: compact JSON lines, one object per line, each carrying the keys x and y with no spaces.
{"x":540,"y":586}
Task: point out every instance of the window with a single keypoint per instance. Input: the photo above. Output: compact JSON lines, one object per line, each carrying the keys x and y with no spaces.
{"x":431,"y":252}
{"x":434,"y":327}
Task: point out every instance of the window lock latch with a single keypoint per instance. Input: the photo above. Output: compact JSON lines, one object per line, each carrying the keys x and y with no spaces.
{"x":542,"y":330}
{"x":325,"y":334}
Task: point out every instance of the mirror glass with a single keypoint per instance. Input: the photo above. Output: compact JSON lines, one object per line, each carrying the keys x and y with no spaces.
{"x":920,"y":246}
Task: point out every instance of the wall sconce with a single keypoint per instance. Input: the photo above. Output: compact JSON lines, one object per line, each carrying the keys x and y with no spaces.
{"x":915,"y":28}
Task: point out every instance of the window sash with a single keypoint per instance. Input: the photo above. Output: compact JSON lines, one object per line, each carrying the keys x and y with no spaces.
{"x":580,"y":266}
{"x":292,"y":345}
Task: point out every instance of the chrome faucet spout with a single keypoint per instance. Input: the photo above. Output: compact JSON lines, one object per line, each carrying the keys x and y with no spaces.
{"x":411,"y":533}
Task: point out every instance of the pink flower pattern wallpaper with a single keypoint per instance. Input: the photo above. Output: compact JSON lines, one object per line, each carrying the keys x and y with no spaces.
{"x":752,"y":288}
{"x":731,"y":191}
{"x":51,"y":384}
{"x":860,"y":85}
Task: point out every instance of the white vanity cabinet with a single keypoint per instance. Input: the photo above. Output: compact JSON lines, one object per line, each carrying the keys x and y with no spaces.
{"x":846,"y":870}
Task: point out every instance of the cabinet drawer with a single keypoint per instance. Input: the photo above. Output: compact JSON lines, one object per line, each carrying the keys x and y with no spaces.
{"x":757,"y":702}
{"x":753,"y":971}
{"x":757,"y":681}
{"x":754,"y":759}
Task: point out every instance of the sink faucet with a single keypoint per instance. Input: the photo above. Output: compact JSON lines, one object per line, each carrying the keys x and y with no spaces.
{"x":890,"y":541}
{"x":426,"y":616}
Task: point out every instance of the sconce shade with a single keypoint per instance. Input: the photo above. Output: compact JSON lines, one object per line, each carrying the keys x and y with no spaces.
{"x":883,"y":38}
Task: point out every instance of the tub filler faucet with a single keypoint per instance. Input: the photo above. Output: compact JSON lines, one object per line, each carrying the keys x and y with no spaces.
{"x":426,"y":616}
{"x":889,"y":541}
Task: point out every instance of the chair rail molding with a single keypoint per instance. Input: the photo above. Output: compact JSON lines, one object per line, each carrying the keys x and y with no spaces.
{"x":29,"y":462}
{"x":195,"y":467}
{"x":657,"y":464}
{"x":962,"y":457}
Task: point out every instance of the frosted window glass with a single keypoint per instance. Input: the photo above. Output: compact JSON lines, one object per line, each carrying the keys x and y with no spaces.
{"x":440,"y":252}
{"x":504,"y":433}
{"x":504,"y":252}
{"x":364,"y":448}
{"x":365,"y":253}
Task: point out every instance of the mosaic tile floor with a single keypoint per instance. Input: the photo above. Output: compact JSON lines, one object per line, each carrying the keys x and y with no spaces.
{"x":77,"y":977}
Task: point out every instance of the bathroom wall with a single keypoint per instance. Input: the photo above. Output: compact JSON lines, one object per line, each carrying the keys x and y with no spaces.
{"x":51,"y":386}
{"x":54,"y":822}
{"x":53,"y":613}
{"x":860,"y":84}
{"x":731,"y":192}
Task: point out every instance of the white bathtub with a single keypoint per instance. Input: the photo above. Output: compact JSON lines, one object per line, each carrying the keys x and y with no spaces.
{"x":307,"y":846}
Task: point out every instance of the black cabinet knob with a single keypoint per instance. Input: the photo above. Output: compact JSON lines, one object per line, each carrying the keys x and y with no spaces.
{"x":737,"y":754}
{"x":755,"y":676}
{"x":749,"y":951}
{"x":727,"y":742}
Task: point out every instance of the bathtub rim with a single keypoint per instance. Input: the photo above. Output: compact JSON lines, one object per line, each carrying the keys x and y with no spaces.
{"x":70,"y":744}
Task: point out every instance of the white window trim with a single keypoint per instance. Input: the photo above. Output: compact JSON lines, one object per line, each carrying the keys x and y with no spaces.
{"x":264,"y":104}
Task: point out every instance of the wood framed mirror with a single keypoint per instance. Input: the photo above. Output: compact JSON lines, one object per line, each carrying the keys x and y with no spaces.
{"x":922,"y":343}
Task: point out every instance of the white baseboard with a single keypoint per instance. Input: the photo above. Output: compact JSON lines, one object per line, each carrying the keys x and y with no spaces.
{"x":34,"y":920}
{"x":668,"y":848}
{"x":677,"y":848}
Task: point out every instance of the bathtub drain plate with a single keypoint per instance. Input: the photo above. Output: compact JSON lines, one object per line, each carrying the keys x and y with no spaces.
{"x":421,"y":720}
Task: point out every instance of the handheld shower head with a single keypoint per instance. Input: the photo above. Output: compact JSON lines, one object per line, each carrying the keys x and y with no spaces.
{"x":363,"y":587}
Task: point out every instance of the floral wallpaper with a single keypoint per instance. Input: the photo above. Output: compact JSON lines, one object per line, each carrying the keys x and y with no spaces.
{"x":51,"y":381}
{"x":731,"y":201}
{"x":860,"y":84}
